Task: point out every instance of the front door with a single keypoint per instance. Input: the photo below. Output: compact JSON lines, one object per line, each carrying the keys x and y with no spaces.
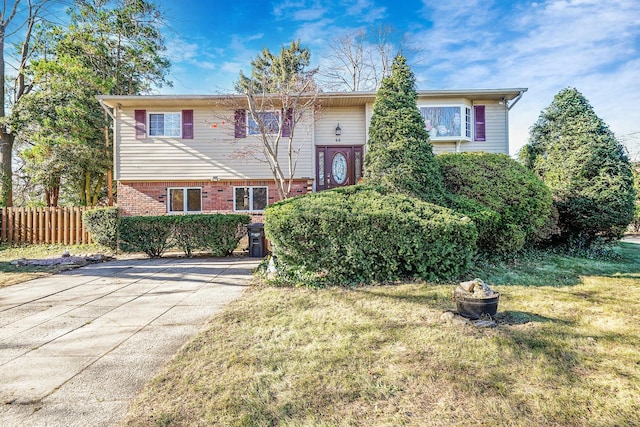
{"x":338,"y":166}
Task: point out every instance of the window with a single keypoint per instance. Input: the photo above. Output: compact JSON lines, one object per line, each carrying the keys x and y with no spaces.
{"x":164,"y":124}
{"x":250,"y":198}
{"x":270,"y":119}
{"x":443,"y":122}
{"x":185,"y":200}
{"x":467,"y":120}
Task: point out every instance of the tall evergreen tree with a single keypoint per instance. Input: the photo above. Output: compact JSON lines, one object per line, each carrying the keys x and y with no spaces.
{"x":108,"y":47}
{"x":587,"y":169}
{"x":399,"y":154}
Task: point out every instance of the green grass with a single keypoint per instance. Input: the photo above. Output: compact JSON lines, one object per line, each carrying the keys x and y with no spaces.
{"x":565,"y":352}
{"x":11,"y":274}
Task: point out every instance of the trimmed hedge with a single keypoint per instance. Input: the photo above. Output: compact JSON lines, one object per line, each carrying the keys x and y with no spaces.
{"x":102,"y":225}
{"x":356,"y":235}
{"x":218,"y":233}
{"x":148,"y":234}
{"x":517,"y":205}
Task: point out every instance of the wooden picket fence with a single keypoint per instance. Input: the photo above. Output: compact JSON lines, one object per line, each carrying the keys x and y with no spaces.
{"x":43,"y":226}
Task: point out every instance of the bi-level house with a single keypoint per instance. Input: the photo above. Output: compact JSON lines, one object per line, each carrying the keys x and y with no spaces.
{"x":198,"y":153}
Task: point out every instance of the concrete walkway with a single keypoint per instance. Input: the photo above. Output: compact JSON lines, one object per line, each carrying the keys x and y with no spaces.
{"x":76,"y":347}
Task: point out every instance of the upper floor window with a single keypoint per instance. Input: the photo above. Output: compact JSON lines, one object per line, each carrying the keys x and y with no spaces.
{"x":246,"y":124}
{"x":270,"y":120}
{"x":178,"y":124}
{"x":454,"y":122}
{"x":164,"y":124}
{"x":443,"y":122}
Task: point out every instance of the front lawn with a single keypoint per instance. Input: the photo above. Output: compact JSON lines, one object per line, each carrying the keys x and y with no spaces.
{"x":565,"y":352}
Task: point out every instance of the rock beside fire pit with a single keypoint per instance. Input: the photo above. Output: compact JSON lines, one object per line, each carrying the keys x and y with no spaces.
{"x":475,"y":299}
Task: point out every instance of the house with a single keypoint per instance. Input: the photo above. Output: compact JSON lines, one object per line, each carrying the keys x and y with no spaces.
{"x":200,"y":153}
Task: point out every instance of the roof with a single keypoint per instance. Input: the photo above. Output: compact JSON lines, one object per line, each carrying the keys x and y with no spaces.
{"x":333,"y":99}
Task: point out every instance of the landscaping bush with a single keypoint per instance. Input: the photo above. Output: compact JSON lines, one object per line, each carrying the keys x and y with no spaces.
{"x":587,"y":169}
{"x":148,"y":234}
{"x":508,"y":202}
{"x":102,"y":225}
{"x":218,"y":233}
{"x":357,"y":235}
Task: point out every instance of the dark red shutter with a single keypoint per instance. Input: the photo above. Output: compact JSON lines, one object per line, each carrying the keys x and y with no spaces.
{"x":240,"y":119}
{"x":287,"y":122}
{"x":187,"y":124}
{"x":141,"y":124}
{"x":479,"y":133}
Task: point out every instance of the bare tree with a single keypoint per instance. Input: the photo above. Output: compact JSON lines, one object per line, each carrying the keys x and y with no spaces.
{"x":281,"y":96}
{"x":359,"y":60}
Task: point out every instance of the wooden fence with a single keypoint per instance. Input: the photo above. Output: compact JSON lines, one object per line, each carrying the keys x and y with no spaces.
{"x":43,"y":225}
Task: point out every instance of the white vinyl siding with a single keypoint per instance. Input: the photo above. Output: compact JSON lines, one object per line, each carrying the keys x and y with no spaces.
{"x":352,"y":124}
{"x":213,"y":152}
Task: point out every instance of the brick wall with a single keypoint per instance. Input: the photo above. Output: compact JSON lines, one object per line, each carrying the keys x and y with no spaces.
{"x":150,"y":198}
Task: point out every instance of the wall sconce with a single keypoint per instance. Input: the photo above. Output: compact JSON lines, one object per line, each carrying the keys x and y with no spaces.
{"x":338,"y":132}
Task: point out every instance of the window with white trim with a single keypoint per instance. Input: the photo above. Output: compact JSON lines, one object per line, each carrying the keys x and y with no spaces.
{"x":249,"y":198}
{"x":270,"y":120}
{"x":185,"y":200}
{"x":452,"y":122}
{"x":165,"y":124}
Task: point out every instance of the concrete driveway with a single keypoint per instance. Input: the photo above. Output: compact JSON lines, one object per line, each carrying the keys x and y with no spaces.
{"x":76,"y":347}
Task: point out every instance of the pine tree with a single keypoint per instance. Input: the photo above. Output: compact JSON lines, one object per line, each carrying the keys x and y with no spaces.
{"x":588,"y":171}
{"x":399,"y":154}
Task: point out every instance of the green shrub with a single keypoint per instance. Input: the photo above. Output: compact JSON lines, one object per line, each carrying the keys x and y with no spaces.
{"x":512,"y":205}
{"x":102,"y":225}
{"x":148,"y":234}
{"x":218,"y":233}
{"x":357,"y":235}
{"x":587,"y":169}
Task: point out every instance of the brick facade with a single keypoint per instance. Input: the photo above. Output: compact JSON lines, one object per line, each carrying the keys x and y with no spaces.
{"x":150,"y":197}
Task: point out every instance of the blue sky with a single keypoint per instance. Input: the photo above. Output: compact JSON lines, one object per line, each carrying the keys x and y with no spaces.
{"x":545,"y":46}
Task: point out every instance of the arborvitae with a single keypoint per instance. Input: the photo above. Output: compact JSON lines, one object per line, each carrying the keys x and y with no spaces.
{"x":399,"y":154}
{"x":587,"y":169}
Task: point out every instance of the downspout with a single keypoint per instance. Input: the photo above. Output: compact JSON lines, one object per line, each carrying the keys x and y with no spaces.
{"x":106,"y":143}
{"x":508,"y":108}
{"x":515,"y":100}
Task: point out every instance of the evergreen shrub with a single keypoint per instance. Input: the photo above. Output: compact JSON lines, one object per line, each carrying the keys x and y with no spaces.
{"x":218,"y":233}
{"x":102,"y":225}
{"x":148,"y":234}
{"x":588,"y":171}
{"x":356,"y":235}
{"x":508,"y":202}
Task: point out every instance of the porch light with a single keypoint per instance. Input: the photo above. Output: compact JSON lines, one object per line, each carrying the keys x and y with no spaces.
{"x":338,"y":130}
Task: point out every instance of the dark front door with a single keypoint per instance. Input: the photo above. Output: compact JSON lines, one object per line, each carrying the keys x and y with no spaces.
{"x":338,"y":166}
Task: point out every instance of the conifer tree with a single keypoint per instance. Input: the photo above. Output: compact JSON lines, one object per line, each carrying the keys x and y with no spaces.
{"x":588,"y":171}
{"x":399,"y":154}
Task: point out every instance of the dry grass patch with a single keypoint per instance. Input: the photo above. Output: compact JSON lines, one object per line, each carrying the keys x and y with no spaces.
{"x":11,"y":274}
{"x":380,"y":356}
